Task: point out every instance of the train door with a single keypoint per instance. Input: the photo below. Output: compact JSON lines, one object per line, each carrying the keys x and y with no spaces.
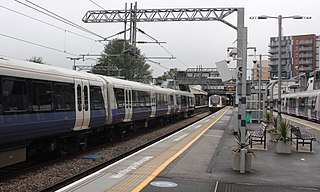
{"x":167,"y":97}
{"x":82,"y":104}
{"x":318,"y":107}
{"x":153,"y":104}
{"x":309,"y":107}
{"x":128,"y":103}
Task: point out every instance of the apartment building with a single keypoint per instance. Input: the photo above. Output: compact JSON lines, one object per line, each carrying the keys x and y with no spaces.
{"x":299,"y":55}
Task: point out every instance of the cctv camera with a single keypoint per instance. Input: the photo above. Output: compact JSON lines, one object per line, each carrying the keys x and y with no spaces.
{"x":228,"y":60}
{"x":233,"y":52}
{"x":254,"y":60}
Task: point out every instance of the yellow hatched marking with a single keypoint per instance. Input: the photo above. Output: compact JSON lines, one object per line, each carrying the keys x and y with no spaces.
{"x":151,"y":169}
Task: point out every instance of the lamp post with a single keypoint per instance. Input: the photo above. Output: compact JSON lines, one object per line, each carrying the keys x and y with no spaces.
{"x":280,"y":17}
{"x":259,"y":69}
{"x":74,"y":59}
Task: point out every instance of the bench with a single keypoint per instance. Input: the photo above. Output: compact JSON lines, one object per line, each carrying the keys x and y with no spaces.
{"x":259,"y":135}
{"x":301,"y":137}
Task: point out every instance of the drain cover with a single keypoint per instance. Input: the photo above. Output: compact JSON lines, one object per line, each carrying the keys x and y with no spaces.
{"x":163,"y":184}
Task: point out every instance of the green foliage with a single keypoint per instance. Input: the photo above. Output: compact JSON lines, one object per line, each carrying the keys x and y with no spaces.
{"x":127,"y":62}
{"x":171,"y":74}
{"x":268,"y":117}
{"x":36,"y":60}
{"x":237,"y":149}
{"x":283,"y":131}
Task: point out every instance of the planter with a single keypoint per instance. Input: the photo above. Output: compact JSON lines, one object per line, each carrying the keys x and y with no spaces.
{"x":272,"y":136}
{"x":283,"y":147}
{"x":236,"y":161}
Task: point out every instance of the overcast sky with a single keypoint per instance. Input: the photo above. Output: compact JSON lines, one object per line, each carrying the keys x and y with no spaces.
{"x":193,"y":43}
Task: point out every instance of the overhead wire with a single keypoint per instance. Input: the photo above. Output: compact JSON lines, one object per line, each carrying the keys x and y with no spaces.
{"x":55,"y":26}
{"x":49,"y":24}
{"x":154,"y":39}
{"x":57,"y":17}
{"x":97,"y":4}
{"x":37,"y":44}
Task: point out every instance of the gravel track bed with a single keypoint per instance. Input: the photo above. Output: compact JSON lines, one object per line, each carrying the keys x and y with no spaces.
{"x":38,"y":180}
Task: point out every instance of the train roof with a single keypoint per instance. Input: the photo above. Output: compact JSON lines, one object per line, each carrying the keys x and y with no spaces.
{"x":302,"y":94}
{"x":122,"y":83}
{"x":16,"y":67}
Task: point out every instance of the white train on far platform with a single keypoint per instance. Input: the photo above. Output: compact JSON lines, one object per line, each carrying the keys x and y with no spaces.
{"x":301,"y":104}
{"x":216,"y":102}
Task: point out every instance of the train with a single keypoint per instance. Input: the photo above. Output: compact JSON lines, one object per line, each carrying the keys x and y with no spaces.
{"x":50,"y":109}
{"x":216,"y":102}
{"x":304,"y":104}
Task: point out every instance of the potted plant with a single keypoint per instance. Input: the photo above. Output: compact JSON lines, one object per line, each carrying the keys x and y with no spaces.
{"x":272,"y":129}
{"x":283,"y":141}
{"x":236,"y":153}
{"x":268,"y":117}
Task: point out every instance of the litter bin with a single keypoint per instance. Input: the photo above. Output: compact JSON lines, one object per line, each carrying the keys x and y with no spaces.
{"x":248,"y":116}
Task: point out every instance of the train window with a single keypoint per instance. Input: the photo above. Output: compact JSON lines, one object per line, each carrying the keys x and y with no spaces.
{"x":86,"y":98}
{"x":79,"y":98}
{"x":313,"y":102}
{"x":63,"y":97}
{"x":14,"y":93}
{"x":183,"y":100}
{"x":160,"y":100}
{"x":96,"y":98}
{"x":292,"y":102}
{"x":41,"y":96}
{"x":178,"y":98}
{"x":148,"y":100}
{"x":302,"y":102}
{"x":135,"y":99}
{"x":1,"y":97}
{"x":165,"y":100}
{"x":119,"y":95}
{"x":143,"y":98}
{"x":171,"y":100}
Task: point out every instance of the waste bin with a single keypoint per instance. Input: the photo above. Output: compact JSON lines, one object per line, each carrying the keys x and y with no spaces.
{"x":248,"y":116}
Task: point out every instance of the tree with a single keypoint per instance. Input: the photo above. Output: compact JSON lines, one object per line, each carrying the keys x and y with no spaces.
{"x":36,"y":60}
{"x":171,"y":74}
{"x":129,"y":62}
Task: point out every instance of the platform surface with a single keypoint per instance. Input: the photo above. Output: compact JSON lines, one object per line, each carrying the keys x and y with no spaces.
{"x":207,"y":166}
{"x":199,"y":159}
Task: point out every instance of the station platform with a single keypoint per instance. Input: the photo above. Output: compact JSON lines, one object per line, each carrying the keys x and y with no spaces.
{"x":199,"y":158}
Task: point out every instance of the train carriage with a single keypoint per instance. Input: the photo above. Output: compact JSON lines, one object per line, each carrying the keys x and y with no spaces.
{"x":304,"y":104}
{"x":50,"y":109}
{"x":216,"y":102}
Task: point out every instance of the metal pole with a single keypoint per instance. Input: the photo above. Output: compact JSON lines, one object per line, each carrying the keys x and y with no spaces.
{"x":242,"y":45}
{"x":259,"y":95}
{"x":279,"y":68}
{"x":130,"y":40}
{"x":134,"y":25}
{"x":243,"y":101}
{"x":125,"y":29}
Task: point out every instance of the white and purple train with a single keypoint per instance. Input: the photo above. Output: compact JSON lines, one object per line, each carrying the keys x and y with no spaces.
{"x":216,"y":102}
{"x":46,"y":108}
{"x":304,"y":104}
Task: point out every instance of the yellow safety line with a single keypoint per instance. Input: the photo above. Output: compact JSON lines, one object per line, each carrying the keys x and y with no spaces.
{"x":307,"y":123}
{"x":166,"y":163}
